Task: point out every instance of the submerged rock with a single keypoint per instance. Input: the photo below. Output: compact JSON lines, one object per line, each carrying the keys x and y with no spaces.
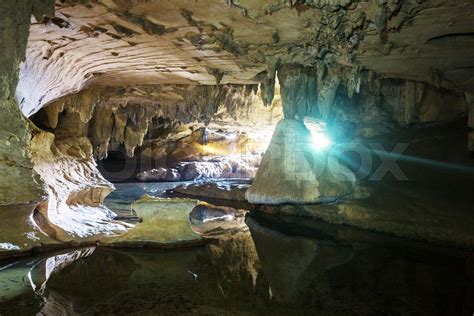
{"x":205,"y":212}
{"x":293,"y":170}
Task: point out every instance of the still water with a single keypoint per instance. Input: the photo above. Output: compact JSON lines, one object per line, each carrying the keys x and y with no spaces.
{"x":280,"y":266}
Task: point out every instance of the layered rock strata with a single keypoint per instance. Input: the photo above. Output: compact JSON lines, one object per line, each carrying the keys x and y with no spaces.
{"x":119,"y":44}
{"x":73,"y":209}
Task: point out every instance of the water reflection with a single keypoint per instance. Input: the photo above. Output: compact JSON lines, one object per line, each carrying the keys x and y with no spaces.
{"x":310,"y":268}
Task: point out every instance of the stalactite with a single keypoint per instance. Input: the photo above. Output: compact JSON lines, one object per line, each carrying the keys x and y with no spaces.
{"x":298,"y":90}
{"x":111,"y":117}
{"x":268,"y":90}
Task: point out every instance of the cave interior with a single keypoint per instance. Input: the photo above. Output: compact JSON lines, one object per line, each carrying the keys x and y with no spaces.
{"x":243,"y":157}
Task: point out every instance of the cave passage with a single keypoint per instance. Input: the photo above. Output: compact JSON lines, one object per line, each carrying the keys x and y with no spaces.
{"x":217,"y":157}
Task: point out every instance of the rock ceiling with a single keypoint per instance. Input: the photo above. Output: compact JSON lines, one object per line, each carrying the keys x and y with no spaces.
{"x":122,"y":43}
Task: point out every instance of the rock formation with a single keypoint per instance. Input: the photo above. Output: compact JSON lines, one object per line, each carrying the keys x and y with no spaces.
{"x":221,"y":190}
{"x":110,"y":43}
{"x":164,"y":223}
{"x":80,"y":79}
{"x":15,"y":131}
{"x":151,"y":117}
{"x":294,"y":170}
{"x":73,"y":210}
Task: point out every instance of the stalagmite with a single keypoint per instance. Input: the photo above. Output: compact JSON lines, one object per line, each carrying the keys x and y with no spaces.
{"x":294,"y":170}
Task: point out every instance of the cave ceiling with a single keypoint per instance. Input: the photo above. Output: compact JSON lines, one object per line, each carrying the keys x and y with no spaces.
{"x":209,"y":42}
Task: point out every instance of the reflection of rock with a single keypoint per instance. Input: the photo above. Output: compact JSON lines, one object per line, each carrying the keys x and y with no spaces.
{"x":353,"y":271}
{"x":204,"y":280}
{"x":295,"y":171}
{"x":74,"y":282}
{"x":337,"y":270}
{"x":221,"y":190}
{"x":12,"y":280}
{"x":290,"y":262}
{"x":237,"y":266}
{"x":165,"y":222}
{"x":53,"y":265}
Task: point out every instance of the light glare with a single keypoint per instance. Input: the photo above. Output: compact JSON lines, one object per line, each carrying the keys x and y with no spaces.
{"x":321,"y":140}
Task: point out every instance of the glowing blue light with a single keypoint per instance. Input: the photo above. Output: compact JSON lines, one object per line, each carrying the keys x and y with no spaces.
{"x":321,"y":140}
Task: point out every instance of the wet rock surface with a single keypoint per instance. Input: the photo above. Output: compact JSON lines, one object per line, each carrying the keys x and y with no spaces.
{"x":19,"y":233}
{"x":163,"y":223}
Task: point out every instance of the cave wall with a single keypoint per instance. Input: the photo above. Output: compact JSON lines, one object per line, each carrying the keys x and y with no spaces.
{"x":23,"y":184}
{"x":73,"y":210}
{"x":62,"y":179}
